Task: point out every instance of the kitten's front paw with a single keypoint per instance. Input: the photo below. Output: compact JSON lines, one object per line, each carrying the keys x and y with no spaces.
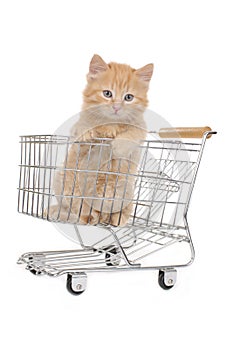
{"x":87,"y":135}
{"x":106,"y":132}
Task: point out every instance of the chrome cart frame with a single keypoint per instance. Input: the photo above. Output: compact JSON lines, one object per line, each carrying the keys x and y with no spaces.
{"x":163,"y":184}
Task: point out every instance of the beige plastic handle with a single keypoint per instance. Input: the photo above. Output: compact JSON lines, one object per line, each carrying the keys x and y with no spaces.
{"x":185,"y":132}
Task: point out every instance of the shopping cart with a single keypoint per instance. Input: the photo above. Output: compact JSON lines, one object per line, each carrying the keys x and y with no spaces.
{"x":163,"y":184}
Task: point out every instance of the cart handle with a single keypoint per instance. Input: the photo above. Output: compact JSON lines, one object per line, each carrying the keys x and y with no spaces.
{"x":185,"y":132}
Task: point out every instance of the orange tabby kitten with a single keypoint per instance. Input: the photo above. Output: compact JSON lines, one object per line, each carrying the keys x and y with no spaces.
{"x":113,"y":104}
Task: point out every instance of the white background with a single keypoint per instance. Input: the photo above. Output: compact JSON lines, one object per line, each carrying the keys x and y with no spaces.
{"x":46,"y":47}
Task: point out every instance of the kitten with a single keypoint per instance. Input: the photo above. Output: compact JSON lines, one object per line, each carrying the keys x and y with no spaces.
{"x":114,"y":100}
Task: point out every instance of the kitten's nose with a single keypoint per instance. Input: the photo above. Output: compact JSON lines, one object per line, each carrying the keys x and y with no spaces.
{"x":116,"y":107}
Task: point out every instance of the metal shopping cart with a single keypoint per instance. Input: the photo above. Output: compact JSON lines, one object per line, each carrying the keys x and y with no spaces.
{"x":163,"y":184}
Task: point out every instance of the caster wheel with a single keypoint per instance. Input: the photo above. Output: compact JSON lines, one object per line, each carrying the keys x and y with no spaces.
{"x":32,"y":267}
{"x":76,"y":283}
{"x":34,"y":271}
{"x":167,"y":278}
{"x":112,"y":256}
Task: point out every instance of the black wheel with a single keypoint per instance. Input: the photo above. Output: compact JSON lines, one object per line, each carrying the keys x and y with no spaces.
{"x":161,"y":280}
{"x":69,"y":286}
{"x":34,"y":271}
{"x":112,"y":257}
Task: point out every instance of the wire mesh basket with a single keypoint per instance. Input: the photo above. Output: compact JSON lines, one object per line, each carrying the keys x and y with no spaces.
{"x":140,"y":202}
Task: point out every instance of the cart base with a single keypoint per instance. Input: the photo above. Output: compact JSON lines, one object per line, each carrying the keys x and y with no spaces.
{"x":45,"y":263}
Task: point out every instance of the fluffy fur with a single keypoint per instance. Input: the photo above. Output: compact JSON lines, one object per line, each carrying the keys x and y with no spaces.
{"x":115,"y":117}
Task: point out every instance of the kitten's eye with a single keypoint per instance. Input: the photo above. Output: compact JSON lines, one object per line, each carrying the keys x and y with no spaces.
{"x":129,"y":97}
{"x":107,"y":93}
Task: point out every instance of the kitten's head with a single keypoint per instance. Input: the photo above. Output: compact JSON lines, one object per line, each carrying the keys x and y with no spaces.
{"x":116,"y":91}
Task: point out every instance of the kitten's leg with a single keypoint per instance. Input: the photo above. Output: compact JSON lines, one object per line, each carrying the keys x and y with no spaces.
{"x":114,"y":221}
{"x":88,"y":215}
{"x":121,"y":218}
{"x":105,"y":218}
{"x":60,"y":214}
{"x":92,"y":219}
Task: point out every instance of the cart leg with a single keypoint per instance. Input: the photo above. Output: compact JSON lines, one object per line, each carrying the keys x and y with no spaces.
{"x":167,"y":278}
{"x":123,"y":254}
{"x":76,"y":283}
{"x":112,"y":256}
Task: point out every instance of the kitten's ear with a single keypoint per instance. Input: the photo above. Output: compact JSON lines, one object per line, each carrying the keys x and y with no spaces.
{"x":97,"y":65}
{"x":145,"y":73}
